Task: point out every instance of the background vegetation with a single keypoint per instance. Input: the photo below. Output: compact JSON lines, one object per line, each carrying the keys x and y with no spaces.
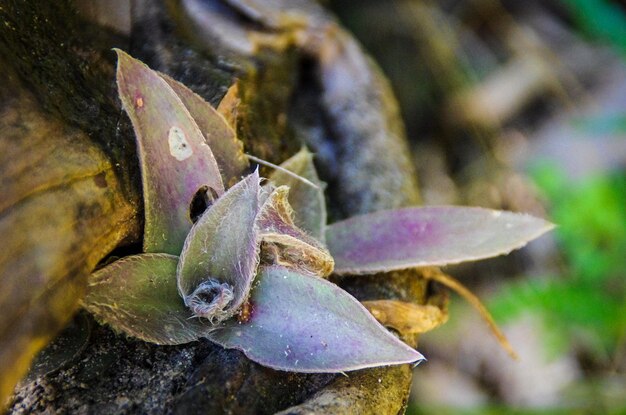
{"x":520,"y":105}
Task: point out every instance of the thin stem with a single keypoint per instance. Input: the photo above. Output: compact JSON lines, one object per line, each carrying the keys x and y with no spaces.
{"x":436,"y":274}
{"x":284,"y":170}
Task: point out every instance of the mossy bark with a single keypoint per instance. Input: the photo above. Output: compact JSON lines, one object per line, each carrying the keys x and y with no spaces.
{"x":71,"y":195}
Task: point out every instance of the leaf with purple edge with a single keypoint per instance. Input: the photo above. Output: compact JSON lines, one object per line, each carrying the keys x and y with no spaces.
{"x":307,"y":201}
{"x":285,"y":243}
{"x":175,"y":159}
{"x":137,"y":295}
{"x":219,"y":135}
{"x":220,"y":256}
{"x":306,"y":324}
{"x":427,"y":236}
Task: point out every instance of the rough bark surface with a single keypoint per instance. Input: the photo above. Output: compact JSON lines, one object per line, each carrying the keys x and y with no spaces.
{"x":70,"y":175}
{"x":62,"y":210}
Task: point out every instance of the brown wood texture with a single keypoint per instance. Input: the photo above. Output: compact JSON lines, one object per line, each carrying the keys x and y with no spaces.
{"x":62,"y":210}
{"x":70,"y":189}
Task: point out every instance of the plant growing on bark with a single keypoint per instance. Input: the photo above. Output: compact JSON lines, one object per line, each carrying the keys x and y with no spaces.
{"x":244,"y":264}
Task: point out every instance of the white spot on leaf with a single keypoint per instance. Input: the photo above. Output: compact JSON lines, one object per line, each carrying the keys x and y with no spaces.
{"x":179,"y":146}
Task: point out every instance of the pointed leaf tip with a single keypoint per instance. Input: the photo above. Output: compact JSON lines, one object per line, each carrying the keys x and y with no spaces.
{"x":302,"y":323}
{"x":427,"y":236}
{"x":229,"y":105}
{"x":175,"y":160}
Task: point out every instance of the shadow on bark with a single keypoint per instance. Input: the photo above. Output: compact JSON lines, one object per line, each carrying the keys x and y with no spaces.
{"x":71,"y":196}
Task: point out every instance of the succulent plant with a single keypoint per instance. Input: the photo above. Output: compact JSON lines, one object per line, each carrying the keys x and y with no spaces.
{"x":243,"y":263}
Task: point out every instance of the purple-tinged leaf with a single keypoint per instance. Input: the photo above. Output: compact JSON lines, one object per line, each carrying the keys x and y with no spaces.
{"x":175,"y":159}
{"x":285,"y":243}
{"x":137,"y":295}
{"x":220,"y":136}
{"x":307,"y":201}
{"x":427,"y":236}
{"x":220,"y":255}
{"x":302,"y":323}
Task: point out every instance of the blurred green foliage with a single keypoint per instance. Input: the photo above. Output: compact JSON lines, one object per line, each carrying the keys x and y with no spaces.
{"x":601,"y":19}
{"x":585,"y":306}
{"x":601,"y":125}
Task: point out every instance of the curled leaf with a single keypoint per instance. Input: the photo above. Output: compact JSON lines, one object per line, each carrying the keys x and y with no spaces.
{"x":286,"y":244}
{"x":175,"y":159}
{"x":220,"y":255}
{"x":229,"y":106}
{"x":219,"y":135}
{"x":137,"y":295}
{"x":302,"y":323}
{"x":307,"y":201}
{"x":406,"y":317}
{"x":427,"y":236}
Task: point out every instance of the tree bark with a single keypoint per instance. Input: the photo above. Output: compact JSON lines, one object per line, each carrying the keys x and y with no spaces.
{"x":71,"y":195}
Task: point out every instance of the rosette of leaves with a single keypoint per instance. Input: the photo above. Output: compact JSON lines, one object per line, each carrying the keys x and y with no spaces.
{"x":243,"y":264}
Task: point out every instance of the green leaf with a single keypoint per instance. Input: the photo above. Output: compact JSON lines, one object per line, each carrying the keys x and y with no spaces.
{"x":175,"y":159}
{"x":137,"y":295}
{"x":428,"y":236}
{"x":302,"y":323}
{"x":307,"y":201}
{"x":220,"y":255}
{"x":285,"y":243}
